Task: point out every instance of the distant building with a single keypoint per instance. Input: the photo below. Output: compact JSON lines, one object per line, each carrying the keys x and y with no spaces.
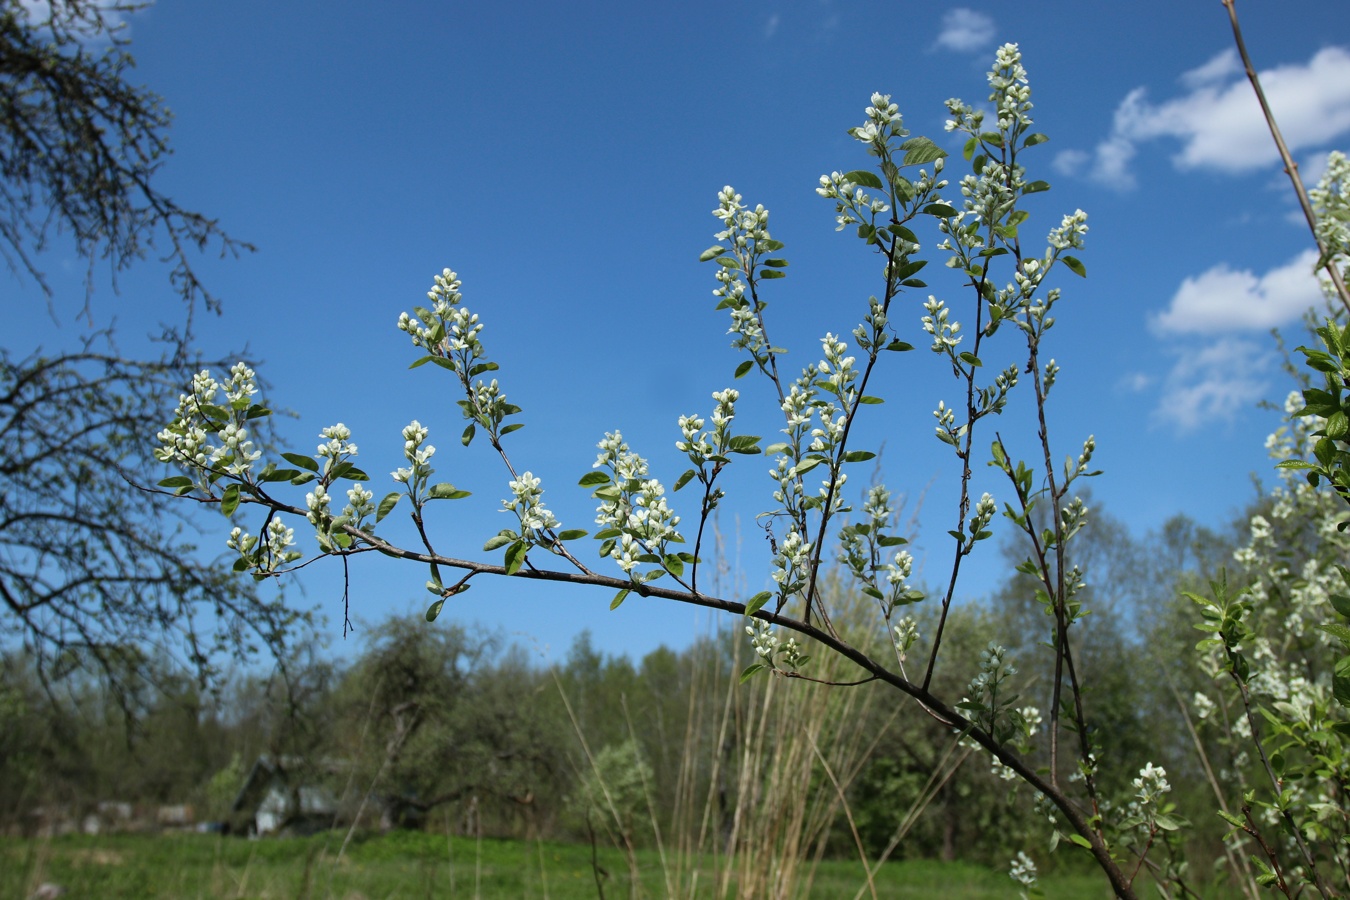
{"x":285,"y":796}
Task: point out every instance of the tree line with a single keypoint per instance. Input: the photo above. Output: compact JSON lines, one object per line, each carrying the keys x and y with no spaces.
{"x":444,"y":727}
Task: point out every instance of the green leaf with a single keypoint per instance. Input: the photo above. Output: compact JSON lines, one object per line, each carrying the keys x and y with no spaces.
{"x":618,"y":598}
{"x":854,"y":456}
{"x":271,"y":474}
{"x":743,"y":443}
{"x":1080,"y":841}
{"x":864,"y":178}
{"x":756,"y":603}
{"x":176,"y":481}
{"x":744,"y":368}
{"x":941,"y":210}
{"x":970,"y":358}
{"x":434,"y":610}
{"x":515,"y":556}
{"x":446,"y":491}
{"x":772,"y":273}
{"x":870,"y":401}
{"x":468,"y":434}
{"x":443,"y":363}
{"x":1337,"y":425}
{"x":229,"y":501}
{"x":969,"y":150}
{"x":1336,"y":630}
{"x":572,"y":534}
{"x":591,"y":478}
{"x":899,"y":346}
{"x":750,"y":671}
{"x":303,"y":462}
{"x":500,"y":540}
{"x":902,"y":232}
{"x":776,"y":263}
{"x":513,"y":427}
{"x":712,"y":253}
{"x":807,"y":464}
{"x":911,"y":268}
{"x":921,"y":150}
{"x":1034,"y":139}
{"x":387,"y":504}
{"x":1035,"y":187}
{"x":1074,"y":265}
{"x":684,"y":479}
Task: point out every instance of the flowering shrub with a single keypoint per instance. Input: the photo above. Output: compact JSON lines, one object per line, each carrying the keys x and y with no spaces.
{"x":1002,"y":306}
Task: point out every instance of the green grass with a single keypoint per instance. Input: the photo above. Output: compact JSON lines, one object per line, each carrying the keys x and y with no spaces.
{"x":406,"y":864}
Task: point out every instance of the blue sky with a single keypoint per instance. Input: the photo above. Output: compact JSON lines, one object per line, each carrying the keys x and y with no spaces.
{"x":564,"y":159}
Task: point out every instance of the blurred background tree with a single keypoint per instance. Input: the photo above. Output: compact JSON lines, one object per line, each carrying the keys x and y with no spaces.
{"x":91,"y":565}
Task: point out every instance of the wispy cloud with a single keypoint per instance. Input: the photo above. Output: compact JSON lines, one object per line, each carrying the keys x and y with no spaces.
{"x":1222,"y":300}
{"x":1213,"y":383}
{"x":771,"y":26}
{"x":1217,"y":372}
{"x":965,"y":31}
{"x":1219,"y":122}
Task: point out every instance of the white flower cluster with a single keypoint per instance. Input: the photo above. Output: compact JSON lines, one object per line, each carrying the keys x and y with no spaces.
{"x":360,"y":503}
{"x":964,"y":117}
{"x":235,"y":455}
{"x":527,"y":503}
{"x":852,"y":203}
{"x":320,"y":515}
{"x":1331,"y":204}
{"x":418,"y":453}
{"x":1150,"y":788}
{"x":748,"y":232}
{"x":767,"y":647}
{"x":984,"y":514}
{"x":790,"y":562}
{"x":337,"y":446}
{"x":1011,"y":93}
{"x":883,"y":123}
{"x":242,"y":386}
{"x":992,"y":194}
{"x":898,"y":571}
{"x":1069,"y":234}
{"x":1023,"y":870}
{"x":447,"y":327}
{"x":277,"y":549}
{"x":906,"y":634}
{"x":637,"y":506}
{"x":701,"y":445}
{"x":946,"y":335}
{"x":185,"y":441}
{"x":992,"y":671}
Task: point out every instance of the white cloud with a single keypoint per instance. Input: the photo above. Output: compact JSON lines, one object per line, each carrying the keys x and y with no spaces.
{"x":1135,"y":382}
{"x":1213,"y":383}
{"x":1219,"y":122}
{"x":1222,"y":299}
{"x":771,"y":27}
{"x":965,"y":30}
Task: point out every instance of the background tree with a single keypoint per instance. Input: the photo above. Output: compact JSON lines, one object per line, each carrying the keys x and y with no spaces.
{"x":88,"y":562}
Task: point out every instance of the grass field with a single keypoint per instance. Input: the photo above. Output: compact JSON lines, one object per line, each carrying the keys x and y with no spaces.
{"x":421,"y":865}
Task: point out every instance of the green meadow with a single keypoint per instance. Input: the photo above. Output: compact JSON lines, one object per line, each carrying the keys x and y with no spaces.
{"x":409,"y":864}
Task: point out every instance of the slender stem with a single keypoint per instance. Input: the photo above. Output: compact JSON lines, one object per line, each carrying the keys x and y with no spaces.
{"x":1290,"y":167}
